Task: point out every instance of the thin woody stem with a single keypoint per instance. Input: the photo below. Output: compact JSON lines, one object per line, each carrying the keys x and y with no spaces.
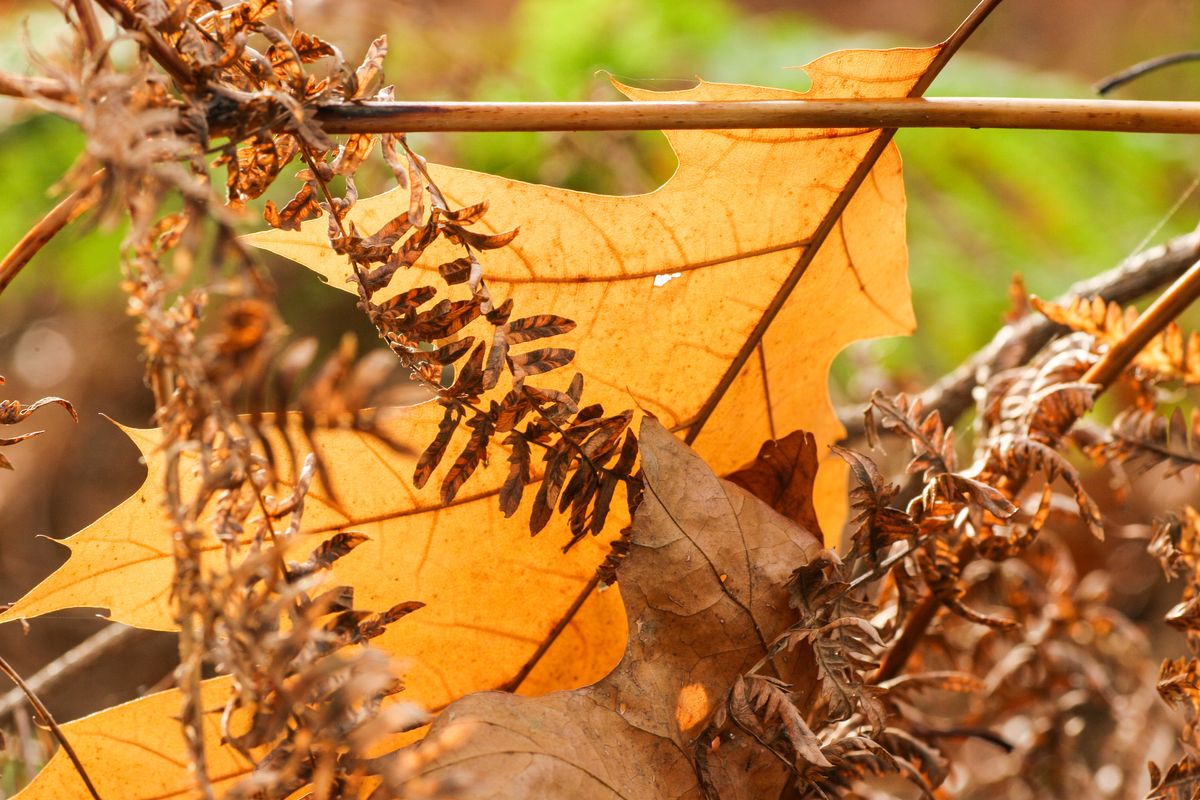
{"x":914,"y":630}
{"x":92,"y":36}
{"x":44,"y":713}
{"x":1181,"y":294}
{"x":26,"y":87}
{"x":47,"y":228}
{"x":1130,"y":116}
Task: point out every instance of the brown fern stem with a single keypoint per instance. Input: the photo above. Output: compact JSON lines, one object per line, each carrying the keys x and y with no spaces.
{"x":47,"y":228}
{"x":44,"y":713}
{"x":1129,"y":116}
{"x":1161,"y":313}
{"x":515,"y":682}
{"x":93,"y":38}
{"x":24,"y":86}
{"x":914,"y":630}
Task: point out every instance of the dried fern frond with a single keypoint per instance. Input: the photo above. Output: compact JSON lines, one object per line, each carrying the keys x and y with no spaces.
{"x":1170,"y":356}
{"x":876,"y":525}
{"x":12,"y":412}
{"x":1143,"y":439}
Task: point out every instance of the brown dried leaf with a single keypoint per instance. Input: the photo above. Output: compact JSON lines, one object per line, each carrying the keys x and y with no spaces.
{"x":783,"y":476}
{"x":433,"y":454}
{"x":539,"y":327}
{"x":535,"y":362}
{"x":704,"y":604}
{"x":301,"y":208}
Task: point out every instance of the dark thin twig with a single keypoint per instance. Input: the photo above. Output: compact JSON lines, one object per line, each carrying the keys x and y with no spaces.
{"x":914,"y":629}
{"x":44,"y":713}
{"x":1144,"y":68}
{"x":515,"y":682}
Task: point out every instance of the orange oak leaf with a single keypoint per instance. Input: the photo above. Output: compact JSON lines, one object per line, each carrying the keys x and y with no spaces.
{"x":731,"y":225}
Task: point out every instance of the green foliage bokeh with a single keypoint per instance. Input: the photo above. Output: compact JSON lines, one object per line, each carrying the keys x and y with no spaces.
{"x":983,"y":204}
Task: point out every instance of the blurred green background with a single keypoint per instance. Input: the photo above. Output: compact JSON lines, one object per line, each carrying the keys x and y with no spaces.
{"x":983,"y":205}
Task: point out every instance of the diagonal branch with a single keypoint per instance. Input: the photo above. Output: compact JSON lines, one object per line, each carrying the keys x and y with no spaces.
{"x":48,"y":227}
{"x":950,"y":47}
{"x":44,"y":714}
{"x":1016,"y":343}
{"x":24,"y":86}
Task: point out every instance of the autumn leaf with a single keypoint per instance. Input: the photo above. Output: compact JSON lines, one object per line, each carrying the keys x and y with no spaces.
{"x":704,"y":588}
{"x":734,"y":221}
{"x":136,"y":750}
{"x":731,"y":224}
{"x":782,"y":477}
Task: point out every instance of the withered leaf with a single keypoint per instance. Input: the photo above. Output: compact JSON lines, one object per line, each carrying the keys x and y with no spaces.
{"x":432,"y":456}
{"x":329,"y":551}
{"x":456,"y":271}
{"x":497,"y":358}
{"x":470,"y":376}
{"x":468,"y":215}
{"x":444,"y":319}
{"x":474,"y":452}
{"x":535,"y":362}
{"x":352,"y":153}
{"x":367,"y":72}
{"x":539,"y":327}
{"x":482,"y":241}
{"x":409,"y":301}
{"x":300,"y":208}
{"x":564,"y":404}
{"x":311,"y":48}
{"x":558,"y":466}
{"x":511,"y":410}
{"x":518,"y":474}
{"x":449,"y":353}
{"x":783,"y":476}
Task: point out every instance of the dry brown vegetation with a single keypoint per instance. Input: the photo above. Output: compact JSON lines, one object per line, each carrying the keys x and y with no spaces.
{"x":529,"y":586}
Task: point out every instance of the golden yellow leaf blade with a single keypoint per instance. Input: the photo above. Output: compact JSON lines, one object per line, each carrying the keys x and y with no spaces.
{"x":476,"y":581}
{"x":137,"y":750}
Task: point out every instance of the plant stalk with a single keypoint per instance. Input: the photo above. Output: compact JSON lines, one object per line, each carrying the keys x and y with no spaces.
{"x":1169,"y":305}
{"x":70,"y":207}
{"x":44,"y":714}
{"x":1130,"y":116}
